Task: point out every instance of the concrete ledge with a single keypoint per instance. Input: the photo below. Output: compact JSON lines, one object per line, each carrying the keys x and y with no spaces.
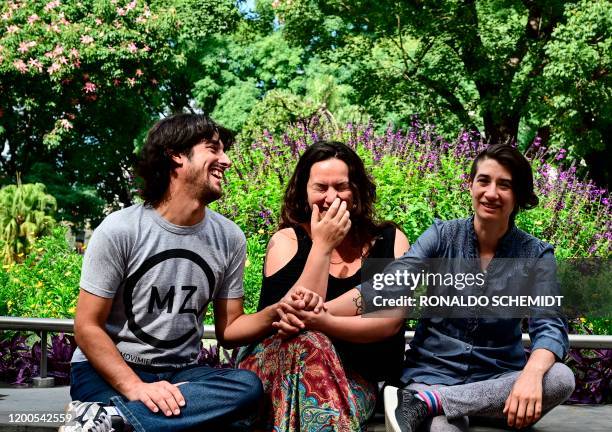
{"x":566,"y":418}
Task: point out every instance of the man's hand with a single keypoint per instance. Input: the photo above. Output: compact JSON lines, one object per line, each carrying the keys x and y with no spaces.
{"x":329,"y":231}
{"x":157,"y":396}
{"x":524,"y":404}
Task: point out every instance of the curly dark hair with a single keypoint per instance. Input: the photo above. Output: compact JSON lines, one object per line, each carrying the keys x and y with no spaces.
{"x":172,"y":136}
{"x":520,"y":169}
{"x":295,"y":209}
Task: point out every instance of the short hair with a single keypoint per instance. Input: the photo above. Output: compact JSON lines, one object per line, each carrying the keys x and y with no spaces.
{"x":295,"y":209}
{"x":520,"y":169}
{"x":172,"y":136}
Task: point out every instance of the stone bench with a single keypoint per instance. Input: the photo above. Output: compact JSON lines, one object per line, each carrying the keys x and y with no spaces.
{"x":53,"y":400}
{"x":565,"y":418}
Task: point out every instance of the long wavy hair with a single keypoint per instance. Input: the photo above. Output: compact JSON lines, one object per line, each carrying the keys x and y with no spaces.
{"x":295,"y":209}
{"x":172,"y":136}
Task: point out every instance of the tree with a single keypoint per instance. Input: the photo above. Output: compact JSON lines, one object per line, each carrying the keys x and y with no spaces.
{"x":80,"y":82}
{"x":253,"y":80}
{"x":26,"y":213}
{"x":490,"y":65}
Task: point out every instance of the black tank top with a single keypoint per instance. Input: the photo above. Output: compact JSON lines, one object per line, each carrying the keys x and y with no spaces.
{"x":377,"y":361}
{"x":274,"y":287}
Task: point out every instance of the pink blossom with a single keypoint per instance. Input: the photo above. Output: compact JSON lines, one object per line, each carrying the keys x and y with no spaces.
{"x":146,"y":48}
{"x":74,"y":53}
{"x":51,"y":5}
{"x":62,"y":60}
{"x":55,"y":67}
{"x":35,"y":64}
{"x":121,"y":12}
{"x":76,"y":63}
{"x":20,"y":66}
{"x":65,"y":124}
{"x":25,"y":46}
{"x":33,"y":18}
{"x":89,"y":87}
{"x":53,"y":28}
{"x":13,"y":6}
{"x":141,"y":20}
{"x":116,"y":82}
{"x":130,"y":6}
{"x":86,"y":39}
{"x":98,"y":21}
{"x":58,"y":50}
{"x":154,"y":81}
{"x":131,"y":82}
{"x":132,"y":47}
{"x":139,"y":72}
{"x":12,"y":29}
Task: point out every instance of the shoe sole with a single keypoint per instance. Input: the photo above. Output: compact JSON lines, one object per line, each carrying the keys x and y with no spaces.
{"x":390,"y":402}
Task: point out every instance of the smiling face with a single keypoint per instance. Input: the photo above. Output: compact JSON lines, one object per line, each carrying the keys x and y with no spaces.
{"x":202,"y":170}
{"x":329,"y":179}
{"x":491,"y":190}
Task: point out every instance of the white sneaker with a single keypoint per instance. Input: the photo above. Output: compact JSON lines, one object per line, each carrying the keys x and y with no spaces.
{"x":90,"y":417}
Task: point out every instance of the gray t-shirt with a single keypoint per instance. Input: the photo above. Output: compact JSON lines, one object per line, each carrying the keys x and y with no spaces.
{"x":161,"y":277}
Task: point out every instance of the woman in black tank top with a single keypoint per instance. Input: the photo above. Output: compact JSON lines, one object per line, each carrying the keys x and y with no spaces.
{"x":325,"y":376}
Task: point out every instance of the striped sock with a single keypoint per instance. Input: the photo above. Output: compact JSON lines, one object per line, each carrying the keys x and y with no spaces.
{"x":432,"y":400}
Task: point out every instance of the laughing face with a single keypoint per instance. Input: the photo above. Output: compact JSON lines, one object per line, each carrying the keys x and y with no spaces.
{"x":204,"y":168}
{"x":491,"y":190}
{"x":329,"y":179}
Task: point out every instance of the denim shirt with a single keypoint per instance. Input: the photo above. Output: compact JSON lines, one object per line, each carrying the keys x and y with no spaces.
{"x":453,"y":351}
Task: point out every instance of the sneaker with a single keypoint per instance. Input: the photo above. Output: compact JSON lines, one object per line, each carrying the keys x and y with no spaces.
{"x":403,"y":411}
{"x":91,"y":417}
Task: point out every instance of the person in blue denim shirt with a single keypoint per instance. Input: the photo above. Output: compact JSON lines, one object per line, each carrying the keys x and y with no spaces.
{"x":458,"y":368}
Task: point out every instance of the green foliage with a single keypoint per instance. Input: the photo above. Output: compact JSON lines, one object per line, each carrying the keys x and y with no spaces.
{"x":26,"y":213}
{"x":80,"y":81}
{"x":46,"y":283}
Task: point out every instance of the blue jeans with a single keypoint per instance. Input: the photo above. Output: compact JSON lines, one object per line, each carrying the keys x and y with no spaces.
{"x":214,"y":398}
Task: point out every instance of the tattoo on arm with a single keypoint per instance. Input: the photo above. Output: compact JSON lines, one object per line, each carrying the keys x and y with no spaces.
{"x":358,"y":300}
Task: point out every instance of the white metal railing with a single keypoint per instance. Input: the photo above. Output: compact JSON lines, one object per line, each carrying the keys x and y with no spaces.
{"x":46,"y":325}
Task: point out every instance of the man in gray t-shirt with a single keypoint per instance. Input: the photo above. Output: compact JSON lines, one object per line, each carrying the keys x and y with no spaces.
{"x":148,"y":275}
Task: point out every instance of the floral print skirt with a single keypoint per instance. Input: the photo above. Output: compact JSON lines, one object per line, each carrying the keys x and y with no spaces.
{"x":306,"y":387}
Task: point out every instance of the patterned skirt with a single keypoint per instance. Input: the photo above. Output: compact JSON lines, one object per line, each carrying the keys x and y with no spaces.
{"x":306,"y":387}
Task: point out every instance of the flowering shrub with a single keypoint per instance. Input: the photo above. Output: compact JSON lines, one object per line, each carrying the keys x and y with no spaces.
{"x":46,"y":283}
{"x":419,"y":176}
{"x":57,"y":58}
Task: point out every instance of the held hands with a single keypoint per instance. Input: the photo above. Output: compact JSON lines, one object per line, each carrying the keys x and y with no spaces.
{"x":158,"y":396}
{"x":524,"y":404}
{"x":330,"y":230}
{"x":295,"y":310}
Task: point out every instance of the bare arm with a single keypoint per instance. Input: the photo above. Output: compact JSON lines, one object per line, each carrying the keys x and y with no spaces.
{"x":90,"y":334}
{"x":234,"y":328}
{"x":327,"y":232}
{"x":349,"y":303}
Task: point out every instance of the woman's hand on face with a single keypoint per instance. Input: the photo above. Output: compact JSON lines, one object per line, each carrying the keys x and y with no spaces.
{"x":329,"y":230}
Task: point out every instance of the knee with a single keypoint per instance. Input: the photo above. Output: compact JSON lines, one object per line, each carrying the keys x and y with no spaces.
{"x":250,"y":390}
{"x":562,"y":382}
{"x":311,"y":341}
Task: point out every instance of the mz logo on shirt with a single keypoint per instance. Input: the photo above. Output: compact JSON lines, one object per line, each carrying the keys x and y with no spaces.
{"x":157,"y":302}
